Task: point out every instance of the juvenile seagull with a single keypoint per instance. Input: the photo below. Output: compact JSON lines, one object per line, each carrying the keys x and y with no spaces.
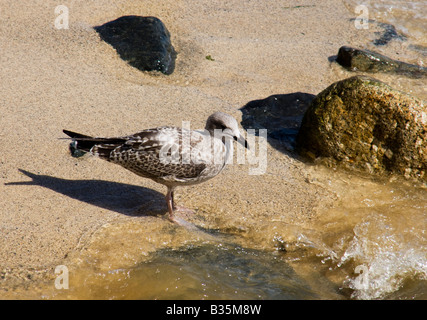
{"x":169,"y":155}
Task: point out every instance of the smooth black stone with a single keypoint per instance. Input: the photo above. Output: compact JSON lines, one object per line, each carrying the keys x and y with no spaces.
{"x":144,"y":42}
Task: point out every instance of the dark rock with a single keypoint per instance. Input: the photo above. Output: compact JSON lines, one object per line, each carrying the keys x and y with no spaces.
{"x":369,"y":61}
{"x":363,"y":123}
{"x":144,"y":42}
{"x":280,"y":114}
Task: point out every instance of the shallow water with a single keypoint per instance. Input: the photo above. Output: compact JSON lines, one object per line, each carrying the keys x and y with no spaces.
{"x":199,"y":272}
{"x":374,"y":238}
{"x":371,"y":244}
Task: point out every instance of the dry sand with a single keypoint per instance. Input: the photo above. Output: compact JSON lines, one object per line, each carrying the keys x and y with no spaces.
{"x":69,"y":79}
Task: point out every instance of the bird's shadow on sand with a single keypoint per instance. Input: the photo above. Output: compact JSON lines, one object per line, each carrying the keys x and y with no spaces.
{"x":281,"y":115}
{"x":123,"y":198}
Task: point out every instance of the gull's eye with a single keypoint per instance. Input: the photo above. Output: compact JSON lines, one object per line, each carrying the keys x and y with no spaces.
{"x":220,"y":125}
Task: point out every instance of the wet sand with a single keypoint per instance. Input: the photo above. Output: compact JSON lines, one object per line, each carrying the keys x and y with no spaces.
{"x":55,"y":207}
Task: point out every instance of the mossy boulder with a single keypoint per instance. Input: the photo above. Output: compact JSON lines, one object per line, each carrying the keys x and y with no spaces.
{"x":365,"y":124}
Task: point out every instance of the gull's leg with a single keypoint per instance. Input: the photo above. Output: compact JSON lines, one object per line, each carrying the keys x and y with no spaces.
{"x":169,"y":202}
{"x":179,"y":208}
{"x":172,"y":208}
{"x":173,"y":202}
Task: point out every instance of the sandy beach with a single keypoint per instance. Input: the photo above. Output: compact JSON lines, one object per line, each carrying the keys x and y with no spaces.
{"x":54,"y":207}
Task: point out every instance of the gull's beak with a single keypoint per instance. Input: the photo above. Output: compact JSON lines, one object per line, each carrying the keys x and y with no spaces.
{"x":235,"y":134}
{"x":241,"y":140}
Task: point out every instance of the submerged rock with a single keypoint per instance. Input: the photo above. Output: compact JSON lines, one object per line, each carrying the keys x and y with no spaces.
{"x":364,"y":124}
{"x":389,"y":34}
{"x":144,"y":42}
{"x":369,"y":61}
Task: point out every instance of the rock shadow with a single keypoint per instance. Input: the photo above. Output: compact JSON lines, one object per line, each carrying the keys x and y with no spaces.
{"x":280,"y":114}
{"x":123,"y":198}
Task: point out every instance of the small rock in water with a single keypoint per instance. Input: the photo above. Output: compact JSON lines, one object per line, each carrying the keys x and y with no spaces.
{"x":369,"y":61}
{"x":144,"y":42}
{"x":364,"y":124}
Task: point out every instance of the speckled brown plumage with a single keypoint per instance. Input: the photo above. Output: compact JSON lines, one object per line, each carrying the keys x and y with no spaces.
{"x":168,"y":155}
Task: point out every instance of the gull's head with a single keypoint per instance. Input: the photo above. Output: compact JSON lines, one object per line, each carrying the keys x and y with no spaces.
{"x":228,"y":125}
